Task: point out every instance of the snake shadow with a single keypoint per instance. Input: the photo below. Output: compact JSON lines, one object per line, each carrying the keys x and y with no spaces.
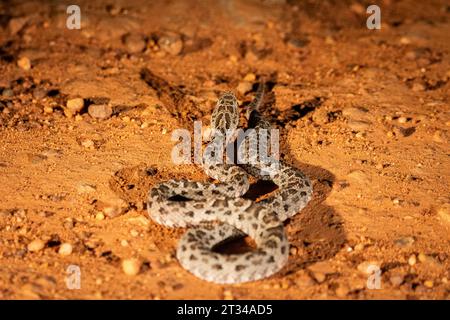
{"x":316,"y":232}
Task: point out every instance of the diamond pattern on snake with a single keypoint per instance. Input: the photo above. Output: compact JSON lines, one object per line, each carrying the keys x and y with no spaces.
{"x":216,"y":212}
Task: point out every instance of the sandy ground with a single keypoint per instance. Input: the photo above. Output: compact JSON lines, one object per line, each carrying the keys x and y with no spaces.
{"x":365,"y":113}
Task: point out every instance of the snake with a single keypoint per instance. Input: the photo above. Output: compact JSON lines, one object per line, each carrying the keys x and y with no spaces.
{"x":215,"y":212}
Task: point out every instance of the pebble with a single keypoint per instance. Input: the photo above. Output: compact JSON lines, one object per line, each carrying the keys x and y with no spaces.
{"x":131,"y":267}
{"x":342,"y":291}
{"x":86,"y":188}
{"x":100,"y":216}
{"x":402,"y":120}
{"x":250,"y":77}
{"x":39,"y":93}
{"x":8,"y":93}
{"x":65,"y":249}
{"x":396,"y":280}
{"x":293,"y":251}
{"x":320,"y":116}
{"x":48,"y":110}
{"x":135,"y":43}
{"x":319,"y":276}
{"x":428,"y":284}
{"x":412,"y":260}
{"x":303,"y":280}
{"x":357,"y":125}
{"x":114,"y":207}
{"x":36,"y":245}
{"x":75,"y":105}
{"x":100,"y":111}
{"x":444,"y":213}
{"x":88,"y":144}
{"x":69,"y":223}
{"x":418,"y":87}
{"x":404,"y":242}
{"x":171,"y":43}
{"x":244,"y":87}
{"x":17,"y":24}
{"x":24,"y":63}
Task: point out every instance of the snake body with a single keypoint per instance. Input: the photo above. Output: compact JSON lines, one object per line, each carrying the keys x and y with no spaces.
{"x":216,"y":212}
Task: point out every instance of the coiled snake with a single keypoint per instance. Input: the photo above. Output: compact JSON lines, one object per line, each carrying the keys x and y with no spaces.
{"x":216,"y":212}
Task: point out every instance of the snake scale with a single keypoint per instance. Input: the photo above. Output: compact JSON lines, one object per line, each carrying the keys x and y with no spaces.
{"x":216,"y":212}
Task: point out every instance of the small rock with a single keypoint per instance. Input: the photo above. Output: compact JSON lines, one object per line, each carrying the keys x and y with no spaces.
{"x":297,"y":42}
{"x":412,"y":260}
{"x":17,"y":24}
{"x":39,"y":93}
{"x":7,"y":93}
{"x":244,"y":87}
{"x":402,"y":120}
{"x":396,"y":280}
{"x":113,"y":207}
{"x":131,"y":267}
{"x":88,"y":144}
{"x":24,"y":63}
{"x":68,"y":223}
{"x":357,"y":125}
{"x":36,"y":245}
{"x":444,"y":213}
{"x":320,"y":116}
{"x":418,"y":87}
{"x":48,"y":110}
{"x":100,"y":216}
{"x":65,"y":249}
{"x":404,"y":242}
{"x":342,"y":291}
{"x":428,"y":284}
{"x":75,"y":105}
{"x":303,"y":280}
{"x":100,"y":111}
{"x":86,"y":188}
{"x":171,"y":43}
{"x":135,"y":43}
{"x":319,"y":276}
{"x":250,"y":77}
